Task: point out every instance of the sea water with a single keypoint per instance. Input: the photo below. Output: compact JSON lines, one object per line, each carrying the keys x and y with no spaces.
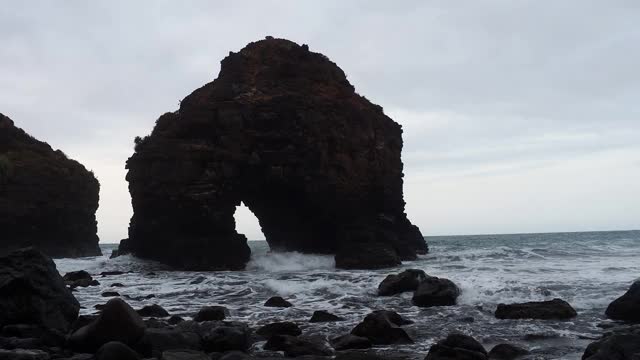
{"x":588,"y":269}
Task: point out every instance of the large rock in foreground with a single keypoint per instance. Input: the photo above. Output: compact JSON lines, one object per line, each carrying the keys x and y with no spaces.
{"x":626,"y":307}
{"x":619,"y":344}
{"x":33,"y":292}
{"x":46,"y":199}
{"x":282,"y":130}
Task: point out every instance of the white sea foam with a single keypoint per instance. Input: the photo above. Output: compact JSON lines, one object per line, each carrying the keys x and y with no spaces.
{"x":290,"y":262}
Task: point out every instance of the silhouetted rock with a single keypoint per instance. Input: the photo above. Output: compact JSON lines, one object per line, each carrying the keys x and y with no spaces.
{"x":619,"y":344}
{"x":382,"y":327}
{"x":157,"y":340}
{"x":117,"y":322}
{"x":407,"y":280}
{"x":506,"y":352}
{"x":279,"y":328}
{"x":153,"y":311}
{"x":457,"y":347}
{"x":546,"y":310}
{"x":46,"y":199}
{"x":277,"y":301}
{"x":211,"y":313}
{"x":115,"y":350}
{"x":198,"y":280}
{"x":626,"y":307}
{"x":350,"y":341}
{"x":282,"y":130}
{"x":434,"y":291}
{"x":294,"y":346}
{"x":33,"y":292}
{"x":175,"y":319}
{"x":324,"y":316}
{"x":227,"y":338}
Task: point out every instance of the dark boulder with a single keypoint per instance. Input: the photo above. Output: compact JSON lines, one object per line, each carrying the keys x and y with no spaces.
{"x":153,"y":311}
{"x":33,"y":292}
{"x":434,"y":291}
{"x":114,"y":350}
{"x":227,"y":338}
{"x":110,"y":294}
{"x":457,"y":347}
{"x":282,"y":130}
{"x":619,"y":344}
{"x":506,"y":352}
{"x":324,"y":316}
{"x":294,"y":346}
{"x":211,"y":313}
{"x":382,"y":327}
{"x":155,"y":341}
{"x":350,"y":341}
{"x":555,"y":309}
{"x":407,"y":280}
{"x":117,"y":322}
{"x":198,"y":280}
{"x":46,"y":199}
{"x":279,"y":328}
{"x":184,"y":355}
{"x":117,"y":285}
{"x":79,"y":278}
{"x":175,"y":319}
{"x":277,"y":301}
{"x":626,"y":307}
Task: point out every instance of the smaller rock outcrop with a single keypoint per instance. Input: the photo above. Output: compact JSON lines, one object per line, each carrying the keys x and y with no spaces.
{"x":324,"y":316}
{"x":46,"y":199}
{"x":80,"y":278}
{"x":211,"y":313}
{"x":294,"y":346}
{"x":33,"y":292}
{"x":277,"y":301}
{"x":350,"y":341}
{"x":405,"y":281}
{"x":627,"y":307}
{"x":618,"y":344}
{"x":228,"y":337}
{"x":115,"y":350}
{"x":382,"y":327}
{"x":434,"y":291}
{"x":457,"y":346}
{"x":279,"y":328}
{"x":555,"y":309}
{"x":154,"y":310}
{"x":507,"y":352}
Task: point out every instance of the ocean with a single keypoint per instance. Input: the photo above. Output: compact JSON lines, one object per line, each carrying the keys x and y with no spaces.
{"x":587,"y":269}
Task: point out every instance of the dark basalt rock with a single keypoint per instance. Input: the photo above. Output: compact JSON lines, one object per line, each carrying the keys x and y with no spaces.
{"x":227,"y":338}
{"x":546,"y":310}
{"x":324,"y":316}
{"x":153,"y":311}
{"x":434,"y":291}
{"x":294,"y":346}
{"x":33,"y":292}
{"x":407,"y":280}
{"x":457,"y":347}
{"x":115,"y":350}
{"x":506,"y":352}
{"x":277,"y":301}
{"x":117,"y":322}
{"x":282,"y":130}
{"x":382,"y":327}
{"x":46,"y":199}
{"x":279,"y":328}
{"x":619,"y":344}
{"x":211,"y":313}
{"x":626,"y":307}
{"x":350,"y":341}
{"x":155,"y":341}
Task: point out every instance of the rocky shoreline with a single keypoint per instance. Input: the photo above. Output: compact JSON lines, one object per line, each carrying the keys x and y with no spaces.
{"x":48,"y":326}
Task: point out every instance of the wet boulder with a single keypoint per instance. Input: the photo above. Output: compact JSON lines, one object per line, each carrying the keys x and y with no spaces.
{"x":324,"y":316}
{"x":114,"y":350}
{"x":117,"y":322}
{"x":279,"y":328}
{"x":619,"y":344}
{"x":555,"y":309}
{"x":405,"y":281}
{"x":157,"y":340}
{"x":507,"y":352}
{"x":229,"y":337}
{"x":153,"y":311}
{"x":277,"y":301}
{"x":350,"y":341}
{"x":434,"y":291}
{"x":457,"y":347}
{"x":79,"y":278}
{"x":382,"y":327}
{"x":294,"y":346}
{"x":33,"y":292}
{"x":627,"y":307}
{"x":211,"y":313}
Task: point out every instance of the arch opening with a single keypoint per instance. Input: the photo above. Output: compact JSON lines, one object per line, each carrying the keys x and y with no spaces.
{"x":247,"y":223}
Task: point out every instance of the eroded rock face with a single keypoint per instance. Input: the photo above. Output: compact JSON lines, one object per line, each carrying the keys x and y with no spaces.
{"x":282,"y":130}
{"x":46,"y":199}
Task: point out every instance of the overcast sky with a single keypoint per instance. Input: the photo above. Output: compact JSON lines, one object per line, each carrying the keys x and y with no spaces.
{"x":518,"y":116}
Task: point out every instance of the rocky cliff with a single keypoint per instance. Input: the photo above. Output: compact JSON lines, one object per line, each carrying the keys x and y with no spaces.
{"x":46,"y":199}
{"x":282,"y":130}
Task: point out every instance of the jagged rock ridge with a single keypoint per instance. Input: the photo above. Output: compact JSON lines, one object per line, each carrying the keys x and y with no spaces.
{"x":46,"y":199}
{"x":282,"y":130}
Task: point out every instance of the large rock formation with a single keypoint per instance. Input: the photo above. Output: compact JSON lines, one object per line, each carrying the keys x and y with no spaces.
{"x":46,"y":199}
{"x":282,"y":130}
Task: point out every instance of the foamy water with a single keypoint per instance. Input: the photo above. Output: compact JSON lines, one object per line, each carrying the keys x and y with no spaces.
{"x":589,"y":270}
